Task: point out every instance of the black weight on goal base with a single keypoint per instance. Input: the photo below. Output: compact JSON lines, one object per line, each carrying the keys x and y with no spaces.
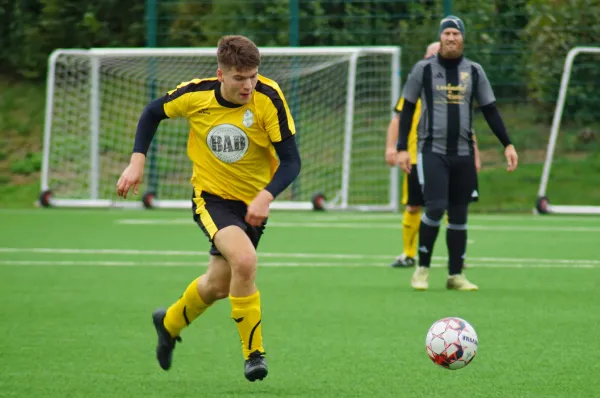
{"x":318,"y":201}
{"x":541,"y":204}
{"x":148,"y":198}
{"x":44,"y":198}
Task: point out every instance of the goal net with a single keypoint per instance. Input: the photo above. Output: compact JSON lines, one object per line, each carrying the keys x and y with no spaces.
{"x":341,"y":99}
{"x":580,"y":99}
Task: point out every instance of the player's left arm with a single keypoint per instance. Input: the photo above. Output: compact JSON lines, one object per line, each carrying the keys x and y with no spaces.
{"x":476,"y":153}
{"x":281,"y":130}
{"x":289,"y":166}
{"x":287,"y":171}
{"x":487,"y":102}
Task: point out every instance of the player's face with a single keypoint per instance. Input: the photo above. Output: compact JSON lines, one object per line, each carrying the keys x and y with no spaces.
{"x":451,"y":42}
{"x":237,"y":86}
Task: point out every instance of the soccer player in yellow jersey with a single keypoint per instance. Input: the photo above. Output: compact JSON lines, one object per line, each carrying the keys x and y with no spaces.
{"x":412,"y":196}
{"x":243,"y":151}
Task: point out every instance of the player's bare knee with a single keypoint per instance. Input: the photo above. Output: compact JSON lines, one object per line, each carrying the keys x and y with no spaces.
{"x":245,"y":273}
{"x":243,"y":266}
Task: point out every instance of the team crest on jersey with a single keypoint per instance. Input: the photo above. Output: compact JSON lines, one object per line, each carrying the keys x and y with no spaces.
{"x":227,"y":142}
{"x":248,"y":118}
{"x":465,"y":77}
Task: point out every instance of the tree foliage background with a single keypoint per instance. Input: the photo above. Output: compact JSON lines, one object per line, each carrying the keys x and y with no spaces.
{"x":522,"y":44}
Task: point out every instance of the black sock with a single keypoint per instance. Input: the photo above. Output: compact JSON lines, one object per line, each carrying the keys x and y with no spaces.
{"x":456,"y":241}
{"x":427,"y":237}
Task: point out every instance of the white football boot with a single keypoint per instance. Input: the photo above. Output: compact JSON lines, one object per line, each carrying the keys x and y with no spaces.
{"x":420,"y":278}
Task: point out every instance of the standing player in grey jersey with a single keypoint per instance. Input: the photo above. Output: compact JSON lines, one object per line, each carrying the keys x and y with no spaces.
{"x":447,"y":85}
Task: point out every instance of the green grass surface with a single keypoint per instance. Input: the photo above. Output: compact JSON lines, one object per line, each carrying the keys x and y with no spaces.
{"x":77,"y":288}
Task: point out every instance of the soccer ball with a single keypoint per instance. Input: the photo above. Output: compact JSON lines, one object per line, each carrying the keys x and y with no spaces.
{"x":451,"y":343}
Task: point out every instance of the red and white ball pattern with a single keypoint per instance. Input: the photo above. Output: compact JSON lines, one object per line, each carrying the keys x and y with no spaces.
{"x":451,"y":343}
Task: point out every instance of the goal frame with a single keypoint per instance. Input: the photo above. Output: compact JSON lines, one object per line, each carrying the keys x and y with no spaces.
{"x":341,"y":201}
{"x":543,"y":205}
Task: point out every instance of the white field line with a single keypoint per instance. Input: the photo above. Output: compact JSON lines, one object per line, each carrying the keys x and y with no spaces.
{"x":317,"y":256}
{"x":484,"y":217}
{"x":328,"y":216}
{"x":329,"y":225}
{"x":173,"y":263}
{"x":188,"y":253}
{"x":273,"y":264}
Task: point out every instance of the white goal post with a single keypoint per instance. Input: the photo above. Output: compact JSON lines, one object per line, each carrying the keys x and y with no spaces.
{"x":341,"y":98}
{"x":543,"y":204}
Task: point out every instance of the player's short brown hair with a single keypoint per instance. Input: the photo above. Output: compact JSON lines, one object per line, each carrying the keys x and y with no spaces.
{"x":237,"y":52}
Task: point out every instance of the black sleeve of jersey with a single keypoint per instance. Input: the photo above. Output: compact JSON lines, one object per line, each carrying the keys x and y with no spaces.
{"x":289,"y":165}
{"x":494,"y":120}
{"x":406,"y":118}
{"x":153,"y":113}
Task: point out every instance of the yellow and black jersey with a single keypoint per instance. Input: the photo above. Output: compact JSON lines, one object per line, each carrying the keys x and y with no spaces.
{"x":230,"y":145}
{"x":412,"y":136}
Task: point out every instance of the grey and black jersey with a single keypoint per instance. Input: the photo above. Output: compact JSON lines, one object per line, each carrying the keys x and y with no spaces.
{"x":447,"y":95}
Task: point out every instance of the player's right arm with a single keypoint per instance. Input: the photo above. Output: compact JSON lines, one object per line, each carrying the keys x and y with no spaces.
{"x":172,"y":105}
{"x":391,"y":153}
{"x":411,"y":94}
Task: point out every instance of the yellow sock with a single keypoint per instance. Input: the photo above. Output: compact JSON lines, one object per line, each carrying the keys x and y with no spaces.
{"x":185,"y":310}
{"x":245,"y":311}
{"x":410,"y":231}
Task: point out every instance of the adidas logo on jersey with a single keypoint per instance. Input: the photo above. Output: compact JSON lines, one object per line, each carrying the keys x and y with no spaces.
{"x":439,"y":75}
